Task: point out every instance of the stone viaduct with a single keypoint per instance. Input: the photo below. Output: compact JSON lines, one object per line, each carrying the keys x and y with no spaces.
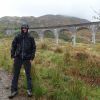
{"x":93,"y":27}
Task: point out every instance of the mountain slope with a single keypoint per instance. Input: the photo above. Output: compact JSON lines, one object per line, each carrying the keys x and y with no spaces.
{"x":46,"y":20}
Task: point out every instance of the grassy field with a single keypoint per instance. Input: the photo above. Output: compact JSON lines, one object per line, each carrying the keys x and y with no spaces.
{"x":60,"y":72}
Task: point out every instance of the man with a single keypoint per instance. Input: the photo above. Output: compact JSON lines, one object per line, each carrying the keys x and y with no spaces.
{"x":23,"y":52}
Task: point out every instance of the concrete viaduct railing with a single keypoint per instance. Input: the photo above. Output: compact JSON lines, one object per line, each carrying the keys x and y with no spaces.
{"x":93,"y":27}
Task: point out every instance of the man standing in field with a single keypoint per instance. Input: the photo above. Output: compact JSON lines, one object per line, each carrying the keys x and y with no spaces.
{"x":23,"y":52}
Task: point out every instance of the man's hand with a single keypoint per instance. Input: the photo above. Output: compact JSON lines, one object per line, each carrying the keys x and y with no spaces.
{"x":12,"y":58}
{"x":31,"y":61}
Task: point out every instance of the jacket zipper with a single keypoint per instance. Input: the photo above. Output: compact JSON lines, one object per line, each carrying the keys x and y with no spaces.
{"x":23,"y":48}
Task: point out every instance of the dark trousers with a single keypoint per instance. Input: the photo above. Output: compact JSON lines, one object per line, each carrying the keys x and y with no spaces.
{"x":16,"y":71}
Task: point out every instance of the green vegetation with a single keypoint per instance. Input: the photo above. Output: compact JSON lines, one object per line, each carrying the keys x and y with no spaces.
{"x":60,"y":72}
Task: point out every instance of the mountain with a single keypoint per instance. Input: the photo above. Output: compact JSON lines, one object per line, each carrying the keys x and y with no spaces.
{"x":46,"y":20}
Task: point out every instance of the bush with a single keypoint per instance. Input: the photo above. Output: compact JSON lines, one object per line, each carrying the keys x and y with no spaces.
{"x":43,"y":46}
{"x":58,"y":50}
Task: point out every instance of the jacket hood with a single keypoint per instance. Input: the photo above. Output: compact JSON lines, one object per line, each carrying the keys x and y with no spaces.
{"x":26,"y":27}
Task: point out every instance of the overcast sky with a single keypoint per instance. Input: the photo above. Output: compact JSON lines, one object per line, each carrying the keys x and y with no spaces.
{"x":77,"y":8}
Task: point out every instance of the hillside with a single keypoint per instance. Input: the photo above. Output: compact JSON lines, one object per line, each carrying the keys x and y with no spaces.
{"x":46,"y":20}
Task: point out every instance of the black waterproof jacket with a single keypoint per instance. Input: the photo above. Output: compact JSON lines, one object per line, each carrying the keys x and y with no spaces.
{"x":23,"y":46}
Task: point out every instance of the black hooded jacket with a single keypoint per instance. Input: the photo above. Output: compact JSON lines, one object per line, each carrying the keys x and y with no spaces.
{"x":23,"y":46}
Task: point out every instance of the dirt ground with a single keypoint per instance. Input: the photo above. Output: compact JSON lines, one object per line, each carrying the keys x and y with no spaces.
{"x":5,"y":83}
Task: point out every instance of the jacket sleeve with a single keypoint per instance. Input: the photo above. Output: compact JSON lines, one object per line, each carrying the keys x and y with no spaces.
{"x":13,"y":47}
{"x":33,"y":48}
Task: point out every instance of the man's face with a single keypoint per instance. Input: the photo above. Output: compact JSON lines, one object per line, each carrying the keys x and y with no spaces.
{"x":24,"y":30}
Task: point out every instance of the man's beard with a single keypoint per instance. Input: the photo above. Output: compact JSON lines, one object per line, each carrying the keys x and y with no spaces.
{"x":23,"y":32}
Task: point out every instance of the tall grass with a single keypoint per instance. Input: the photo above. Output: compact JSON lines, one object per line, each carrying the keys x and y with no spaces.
{"x":58,"y":73}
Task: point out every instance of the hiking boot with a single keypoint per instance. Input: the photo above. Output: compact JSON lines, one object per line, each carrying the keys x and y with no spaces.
{"x":13,"y":94}
{"x":29,"y":92}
